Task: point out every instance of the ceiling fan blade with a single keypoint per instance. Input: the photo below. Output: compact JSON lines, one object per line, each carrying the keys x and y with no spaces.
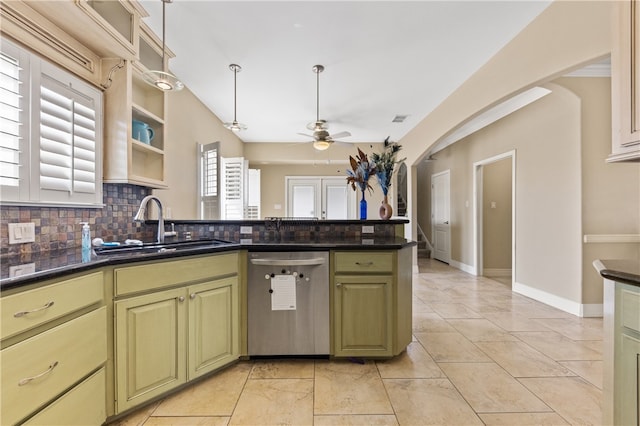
{"x":304,"y":134}
{"x":340,"y":135}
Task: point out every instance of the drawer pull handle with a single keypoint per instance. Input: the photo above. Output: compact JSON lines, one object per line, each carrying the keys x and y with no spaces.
{"x":364,"y":263}
{"x":42,"y":308}
{"x":181,"y":299}
{"x":37,"y":376}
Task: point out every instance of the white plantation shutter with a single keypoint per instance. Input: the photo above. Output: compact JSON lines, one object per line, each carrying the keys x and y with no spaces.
{"x":209,"y":188}
{"x":232,"y":188}
{"x":50,"y":133}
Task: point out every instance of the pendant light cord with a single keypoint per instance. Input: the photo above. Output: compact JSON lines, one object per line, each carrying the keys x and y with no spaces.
{"x":235,"y":103}
{"x":317,"y":95}
{"x":164,"y":3}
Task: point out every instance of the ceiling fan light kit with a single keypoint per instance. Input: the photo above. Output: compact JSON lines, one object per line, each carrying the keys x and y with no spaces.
{"x":234,"y":126}
{"x":163,"y":80}
{"x":322,"y":138}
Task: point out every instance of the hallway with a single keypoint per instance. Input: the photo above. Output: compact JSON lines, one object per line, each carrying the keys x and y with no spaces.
{"x":481,"y":355}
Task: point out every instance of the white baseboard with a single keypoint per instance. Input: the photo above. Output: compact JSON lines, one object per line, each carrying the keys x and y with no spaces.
{"x":496,"y":272}
{"x":566,"y":305}
{"x":463,"y":267}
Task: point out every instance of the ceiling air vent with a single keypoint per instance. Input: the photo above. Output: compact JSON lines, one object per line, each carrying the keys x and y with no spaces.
{"x":399,"y":118}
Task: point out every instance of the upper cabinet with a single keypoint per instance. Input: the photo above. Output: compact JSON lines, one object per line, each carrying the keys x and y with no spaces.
{"x":625,"y":82}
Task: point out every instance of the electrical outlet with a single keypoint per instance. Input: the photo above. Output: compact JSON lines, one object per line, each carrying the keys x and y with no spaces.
{"x":22,"y":233}
{"x":20,"y":270}
{"x":246,"y":229}
{"x":367,"y":229}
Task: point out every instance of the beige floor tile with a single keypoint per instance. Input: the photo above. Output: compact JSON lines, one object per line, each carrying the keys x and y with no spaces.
{"x":282,"y":369}
{"x":138,"y":417}
{"x":429,"y":402}
{"x":454,"y":310}
{"x":420,"y":306}
{"x":451,"y":347}
{"x":275,"y":402}
{"x":187,"y":421}
{"x":558,"y":347}
{"x":522,"y":419}
{"x":356,"y":420}
{"x":342,"y":387}
{"x":540,"y":310}
{"x":576,"y":400}
{"x":512,"y":321}
{"x":521,"y":360}
{"x":415,"y":362}
{"x":575,"y":328}
{"x":591,"y":371}
{"x":480,"y":330}
{"x":488,"y":388}
{"x":430,"y":322}
{"x":214,"y":396}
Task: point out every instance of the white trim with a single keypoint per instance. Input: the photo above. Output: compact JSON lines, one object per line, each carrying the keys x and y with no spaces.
{"x":463,"y":267}
{"x":477,"y":212}
{"x":611,"y":238}
{"x":497,"y":272}
{"x":558,"y":302}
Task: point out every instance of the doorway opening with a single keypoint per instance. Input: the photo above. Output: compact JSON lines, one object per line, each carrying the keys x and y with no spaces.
{"x":494,"y":217}
{"x":319,"y":197}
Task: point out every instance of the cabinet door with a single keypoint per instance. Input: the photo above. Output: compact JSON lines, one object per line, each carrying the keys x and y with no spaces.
{"x":150,"y":346}
{"x":628,"y":394}
{"x":362,"y":315}
{"x":213,"y":325}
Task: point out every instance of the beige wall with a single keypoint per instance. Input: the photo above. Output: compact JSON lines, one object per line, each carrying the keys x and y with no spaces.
{"x":279,"y":160}
{"x":189,"y":123}
{"x":496,"y":216}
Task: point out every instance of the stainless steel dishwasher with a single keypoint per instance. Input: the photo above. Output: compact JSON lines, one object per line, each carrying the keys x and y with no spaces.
{"x":288,"y":303}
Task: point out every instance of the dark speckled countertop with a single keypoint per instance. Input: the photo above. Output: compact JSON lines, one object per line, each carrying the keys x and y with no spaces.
{"x":621,"y":270}
{"x":28,"y":268}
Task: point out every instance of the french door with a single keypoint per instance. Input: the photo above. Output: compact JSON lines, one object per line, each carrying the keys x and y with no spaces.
{"x":320,"y":197}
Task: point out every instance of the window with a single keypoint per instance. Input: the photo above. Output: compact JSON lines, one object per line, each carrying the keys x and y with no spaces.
{"x":50,"y":133}
{"x":208,"y":178}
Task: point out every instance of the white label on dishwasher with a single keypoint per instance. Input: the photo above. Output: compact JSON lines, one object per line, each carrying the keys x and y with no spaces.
{"x":283,"y":293}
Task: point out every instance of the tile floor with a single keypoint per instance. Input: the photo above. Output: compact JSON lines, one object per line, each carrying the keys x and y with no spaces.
{"x":481,"y":355}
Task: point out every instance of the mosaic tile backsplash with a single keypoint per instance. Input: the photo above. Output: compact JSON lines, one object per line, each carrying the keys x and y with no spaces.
{"x":58,"y":228}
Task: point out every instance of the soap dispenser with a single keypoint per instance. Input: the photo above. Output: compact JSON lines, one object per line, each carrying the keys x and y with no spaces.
{"x":86,"y":236}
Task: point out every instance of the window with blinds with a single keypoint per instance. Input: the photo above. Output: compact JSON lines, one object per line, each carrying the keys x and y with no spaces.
{"x":51,"y":128}
{"x":209,"y":183}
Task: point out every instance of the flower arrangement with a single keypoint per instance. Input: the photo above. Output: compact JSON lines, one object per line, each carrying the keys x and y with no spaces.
{"x":362,"y":169}
{"x":385,"y":162}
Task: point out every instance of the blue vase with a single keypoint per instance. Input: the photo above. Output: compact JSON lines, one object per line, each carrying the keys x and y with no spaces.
{"x":363,"y":208}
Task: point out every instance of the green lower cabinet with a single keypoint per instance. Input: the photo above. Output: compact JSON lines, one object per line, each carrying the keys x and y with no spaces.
{"x":629,"y":410}
{"x":363,"y":315}
{"x":151,"y":337}
{"x":214,"y":321}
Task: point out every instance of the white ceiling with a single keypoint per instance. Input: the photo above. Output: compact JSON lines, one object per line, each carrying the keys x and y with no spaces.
{"x":381,"y":58}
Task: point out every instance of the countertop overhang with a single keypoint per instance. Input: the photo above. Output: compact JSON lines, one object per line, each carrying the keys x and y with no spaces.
{"x":621,"y":270}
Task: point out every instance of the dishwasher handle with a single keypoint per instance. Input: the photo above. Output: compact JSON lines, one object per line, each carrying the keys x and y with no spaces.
{"x":289,"y":262}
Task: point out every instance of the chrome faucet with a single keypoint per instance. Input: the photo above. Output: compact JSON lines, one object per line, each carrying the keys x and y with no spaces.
{"x":139,"y":217}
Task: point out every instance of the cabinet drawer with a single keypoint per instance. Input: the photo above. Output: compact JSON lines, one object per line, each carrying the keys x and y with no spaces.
{"x":135,"y":279}
{"x":55,"y":359}
{"x":23,"y":311}
{"x":631,"y":310}
{"x":371,"y":261}
{"x":82,"y":405}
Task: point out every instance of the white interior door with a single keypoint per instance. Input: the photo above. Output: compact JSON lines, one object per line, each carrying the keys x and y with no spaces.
{"x":440,"y":227}
{"x":304,"y":198}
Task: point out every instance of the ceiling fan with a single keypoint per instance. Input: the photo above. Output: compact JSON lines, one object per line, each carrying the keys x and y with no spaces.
{"x":321,"y":137}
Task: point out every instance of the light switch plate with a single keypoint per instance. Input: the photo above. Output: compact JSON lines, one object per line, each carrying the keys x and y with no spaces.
{"x":367,"y":229}
{"x":20,"y":270}
{"x":246,"y":229}
{"x":22,"y":233}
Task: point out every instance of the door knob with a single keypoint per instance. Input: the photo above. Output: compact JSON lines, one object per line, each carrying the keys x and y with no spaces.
{"x":446,"y":222}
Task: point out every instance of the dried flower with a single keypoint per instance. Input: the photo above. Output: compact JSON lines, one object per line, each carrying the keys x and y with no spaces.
{"x":362,"y":169}
{"x":385,"y":162}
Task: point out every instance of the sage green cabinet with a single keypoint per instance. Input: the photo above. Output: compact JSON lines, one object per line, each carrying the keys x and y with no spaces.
{"x":371,"y":309}
{"x":174,"y":321}
{"x":151,"y":346}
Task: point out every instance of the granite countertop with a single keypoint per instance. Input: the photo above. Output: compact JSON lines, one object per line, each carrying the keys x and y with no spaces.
{"x":622,"y":270}
{"x":27,"y":268}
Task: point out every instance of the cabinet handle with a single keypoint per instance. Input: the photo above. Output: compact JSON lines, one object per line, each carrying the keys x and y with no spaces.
{"x":364,"y":263}
{"x":37,"y":376}
{"x":192,"y":296}
{"x":42,"y":308}
{"x":338,"y":284}
{"x":181,"y":299}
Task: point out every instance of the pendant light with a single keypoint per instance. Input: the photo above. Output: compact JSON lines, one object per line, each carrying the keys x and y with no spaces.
{"x":234,"y":126}
{"x":162,"y":79}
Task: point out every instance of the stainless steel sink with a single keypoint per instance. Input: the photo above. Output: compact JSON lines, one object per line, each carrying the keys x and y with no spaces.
{"x":159,"y":247}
